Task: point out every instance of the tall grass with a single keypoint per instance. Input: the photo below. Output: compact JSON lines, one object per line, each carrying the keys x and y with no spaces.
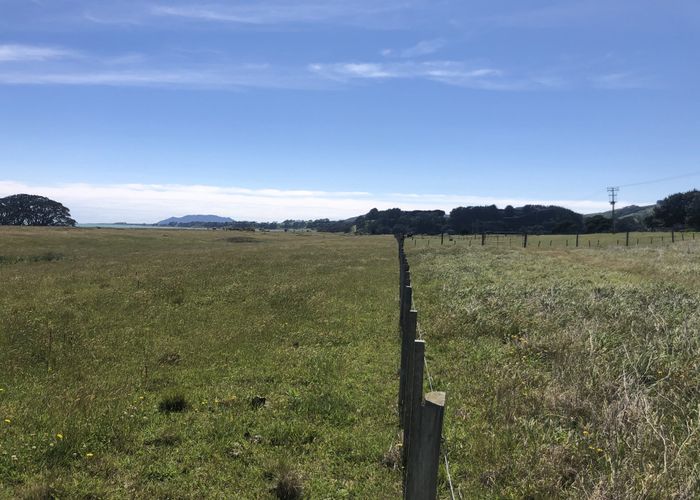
{"x":570,"y":373}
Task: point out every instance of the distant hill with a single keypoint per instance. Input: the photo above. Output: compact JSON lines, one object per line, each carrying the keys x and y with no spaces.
{"x":193,"y":219}
{"x":628,"y":211}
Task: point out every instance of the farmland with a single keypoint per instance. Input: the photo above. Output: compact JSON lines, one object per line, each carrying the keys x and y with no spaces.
{"x":569,"y":372}
{"x":129,"y":360}
{"x":134,"y":363}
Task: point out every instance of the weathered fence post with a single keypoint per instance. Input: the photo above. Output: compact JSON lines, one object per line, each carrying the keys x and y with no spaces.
{"x":442,"y":238}
{"x":576,"y":240}
{"x":424,"y":456}
{"x":525,"y":240}
{"x":414,"y":397}
{"x":673,"y":236}
{"x":404,"y":315}
{"x":627,"y":239}
{"x":483,"y":239}
{"x":408,"y":335}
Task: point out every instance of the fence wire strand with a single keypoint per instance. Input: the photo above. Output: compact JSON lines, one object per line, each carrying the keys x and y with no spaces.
{"x":430,"y":383}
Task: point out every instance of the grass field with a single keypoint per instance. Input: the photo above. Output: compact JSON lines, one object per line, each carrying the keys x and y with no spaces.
{"x":129,"y":360}
{"x":570,"y":372}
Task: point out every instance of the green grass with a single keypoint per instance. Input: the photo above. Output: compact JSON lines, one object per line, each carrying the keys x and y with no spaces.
{"x":129,"y":361}
{"x":191,"y":364}
{"x":570,"y":372}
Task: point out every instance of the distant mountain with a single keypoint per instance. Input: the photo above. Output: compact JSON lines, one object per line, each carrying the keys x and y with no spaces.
{"x":191,"y":219}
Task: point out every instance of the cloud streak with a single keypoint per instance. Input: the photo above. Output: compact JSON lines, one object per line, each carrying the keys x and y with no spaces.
{"x":22,"y":53}
{"x":44,"y":65}
{"x":152,"y":202}
{"x":279,"y":12}
{"x":422,"y":48}
{"x":447,"y":72}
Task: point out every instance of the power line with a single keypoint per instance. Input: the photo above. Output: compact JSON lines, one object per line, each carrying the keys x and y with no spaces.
{"x":663,"y":179}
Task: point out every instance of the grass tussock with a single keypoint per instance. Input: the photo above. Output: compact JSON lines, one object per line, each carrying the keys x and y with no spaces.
{"x":175,"y":403}
{"x":288,"y":484}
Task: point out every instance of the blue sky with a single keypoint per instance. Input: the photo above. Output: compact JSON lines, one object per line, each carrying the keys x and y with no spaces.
{"x":139,"y":110}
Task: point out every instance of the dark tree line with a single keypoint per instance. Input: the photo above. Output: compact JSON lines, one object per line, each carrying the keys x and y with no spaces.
{"x":678,"y":211}
{"x":31,"y":210}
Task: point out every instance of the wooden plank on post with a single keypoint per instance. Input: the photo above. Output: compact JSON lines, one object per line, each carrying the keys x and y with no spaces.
{"x":424,"y":452}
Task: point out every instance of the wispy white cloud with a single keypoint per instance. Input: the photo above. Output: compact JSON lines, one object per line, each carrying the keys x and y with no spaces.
{"x":21,"y":53}
{"x":279,"y":12}
{"x":153,"y":202}
{"x":447,"y":72}
{"x":123,"y":74}
{"x":621,"y":81}
{"x":44,"y":65}
{"x":422,"y":48}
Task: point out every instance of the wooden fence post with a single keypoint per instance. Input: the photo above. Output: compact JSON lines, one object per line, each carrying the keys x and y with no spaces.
{"x":627,"y":239}
{"x":406,"y":301}
{"x":408,"y":335}
{"x":576,"y":240}
{"x":424,"y":457}
{"x":483,"y":239}
{"x":414,"y":397}
{"x":525,"y":240}
{"x":442,"y":238}
{"x":673,"y":236}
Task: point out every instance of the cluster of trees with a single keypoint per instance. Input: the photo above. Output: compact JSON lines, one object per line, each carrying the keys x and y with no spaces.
{"x":678,"y":211}
{"x":31,"y":210}
{"x":528,"y":219}
{"x":462,"y":220}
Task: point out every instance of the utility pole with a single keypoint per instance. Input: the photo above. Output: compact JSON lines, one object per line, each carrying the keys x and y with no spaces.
{"x":612,"y":195}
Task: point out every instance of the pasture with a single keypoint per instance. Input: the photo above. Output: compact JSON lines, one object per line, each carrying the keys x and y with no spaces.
{"x":569,"y":372}
{"x":130,"y":360}
{"x":134,"y":363}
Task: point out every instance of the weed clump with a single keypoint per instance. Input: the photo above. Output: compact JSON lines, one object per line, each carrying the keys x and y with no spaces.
{"x":175,"y":403}
{"x":288,"y":484}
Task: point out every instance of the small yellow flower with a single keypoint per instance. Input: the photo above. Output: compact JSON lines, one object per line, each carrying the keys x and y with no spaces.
{"x":599,"y":450}
{"x":89,"y":455}
{"x":59,"y":436}
{"x":586,"y":433}
{"x":8,"y":421}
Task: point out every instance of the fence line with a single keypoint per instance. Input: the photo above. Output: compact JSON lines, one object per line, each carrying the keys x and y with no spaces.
{"x":525,"y":240}
{"x":420,"y":417}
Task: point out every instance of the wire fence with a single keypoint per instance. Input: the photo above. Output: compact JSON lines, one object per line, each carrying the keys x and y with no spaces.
{"x":421,"y":418}
{"x":557,"y":241}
